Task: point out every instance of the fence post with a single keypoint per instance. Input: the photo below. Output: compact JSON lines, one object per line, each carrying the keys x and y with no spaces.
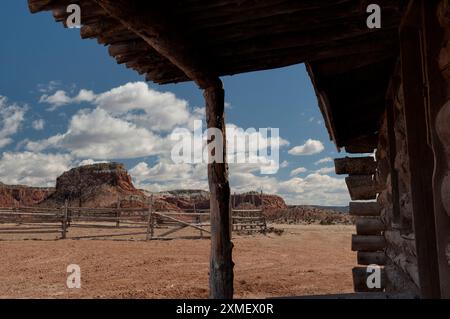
{"x":199,"y":220}
{"x":262,"y":212}
{"x":261,"y":200}
{"x":118,"y":214}
{"x":150,"y":230}
{"x":64,"y":222}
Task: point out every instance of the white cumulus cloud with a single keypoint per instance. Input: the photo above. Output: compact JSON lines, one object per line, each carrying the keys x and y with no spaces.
{"x":11,"y":117}
{"x":60,"y":98}
{"x":311,"y":147}
{"x":38,"y":125}
{"x":33,"y":169}
{"x":325,"y":170}
{"x":324,"y":160}
{"x":298,"y":171}
{"x":98,"y":135}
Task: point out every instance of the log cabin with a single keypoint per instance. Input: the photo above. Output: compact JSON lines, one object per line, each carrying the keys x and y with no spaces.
{"x":382,"y":91}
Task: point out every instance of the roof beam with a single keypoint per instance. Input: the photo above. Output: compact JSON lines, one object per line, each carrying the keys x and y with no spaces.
{"x":150,"y":20}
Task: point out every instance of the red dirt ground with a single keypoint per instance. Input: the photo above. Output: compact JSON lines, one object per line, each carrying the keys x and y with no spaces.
{"x":304,"y":260}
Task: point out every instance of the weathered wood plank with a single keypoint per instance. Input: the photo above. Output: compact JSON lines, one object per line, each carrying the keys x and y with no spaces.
{"x":355,"y":165}
{"x":365,"y":209}
{"x":368,"y":243}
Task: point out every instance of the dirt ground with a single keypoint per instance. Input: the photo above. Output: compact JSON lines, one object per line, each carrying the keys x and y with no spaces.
{"x":304,"y":260}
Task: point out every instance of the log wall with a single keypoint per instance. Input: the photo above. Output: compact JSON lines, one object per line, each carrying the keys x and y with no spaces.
{"x":401,"y":262}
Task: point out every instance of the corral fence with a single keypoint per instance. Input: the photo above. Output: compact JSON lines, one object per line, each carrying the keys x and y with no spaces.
{"x":145,"y":223}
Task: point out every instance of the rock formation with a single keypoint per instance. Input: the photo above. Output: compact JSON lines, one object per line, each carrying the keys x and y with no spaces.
{"x":96,"y":185}
{"x":18,"y":195}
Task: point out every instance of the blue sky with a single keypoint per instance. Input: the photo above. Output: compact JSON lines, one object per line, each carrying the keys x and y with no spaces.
{"x":43,"y":133}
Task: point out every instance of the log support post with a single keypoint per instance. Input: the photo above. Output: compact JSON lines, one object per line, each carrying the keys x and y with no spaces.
{"x":421,"y":159}
{"x":437,"y":41}
{"x":221,"y":266}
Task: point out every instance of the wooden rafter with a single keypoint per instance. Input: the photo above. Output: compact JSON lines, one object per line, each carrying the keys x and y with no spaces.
{"x":162,"y":35}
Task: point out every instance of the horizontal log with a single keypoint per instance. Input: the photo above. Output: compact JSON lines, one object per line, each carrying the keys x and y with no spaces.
{"x":249,"y":225}
{"x":30,"y":228}
{"x":360,"y":280}
{"x":109,"y":235}
{"x":365,"y":209}
{"x":29,"y":214}
{"x":30,"y":232}
{"x":369,"y":226}
{"x":371,"y":258}
{"x":355,"y":165}
{"x":362,"y":187}
{"x":368,"y":243}
{"x":106,"y":226}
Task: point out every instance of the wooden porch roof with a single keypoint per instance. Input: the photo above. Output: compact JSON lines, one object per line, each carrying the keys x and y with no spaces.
{"x":350,"y":65}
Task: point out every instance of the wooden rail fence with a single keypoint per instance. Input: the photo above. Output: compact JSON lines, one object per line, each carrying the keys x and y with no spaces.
{"x":119,"y":222}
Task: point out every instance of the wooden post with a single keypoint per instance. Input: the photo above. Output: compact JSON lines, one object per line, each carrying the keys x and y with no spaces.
{"x":199,"y":219}
{"x":221,"y":266}
{"x":64,"y":223}
{"x":421,"y":159}
{"x":233,"y":207}
{"x":234,"y":200}
{"x":261,"y":200}
{"x":118,"y":214}
{"x":436,"y":42}
{"x":262,"y":211}
{"x":150,"y":230}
